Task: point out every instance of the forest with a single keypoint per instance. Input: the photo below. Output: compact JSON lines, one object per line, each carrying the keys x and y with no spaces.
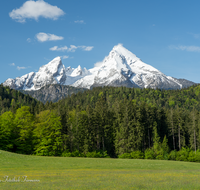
{"x":104,"y":122}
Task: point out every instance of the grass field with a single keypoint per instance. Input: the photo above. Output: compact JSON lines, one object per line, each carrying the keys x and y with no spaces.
{"x":95,"y":173}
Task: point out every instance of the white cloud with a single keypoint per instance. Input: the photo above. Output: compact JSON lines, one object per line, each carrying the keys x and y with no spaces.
{"x":72,"y":48}
{"x":12,"y":64}
{"x":79,"y":21}
{"x":35,"y":9}
{"x":42,"y":37}
{"x":28,"y":40}
{"x":56,"y":48}
{"x":65,"y":56}
{"x":86,"y":48}
{"x":20,"y":68}
{"x":186,"y":48}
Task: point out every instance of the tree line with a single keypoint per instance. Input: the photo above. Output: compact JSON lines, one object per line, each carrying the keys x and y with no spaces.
{"x":112,"y":120}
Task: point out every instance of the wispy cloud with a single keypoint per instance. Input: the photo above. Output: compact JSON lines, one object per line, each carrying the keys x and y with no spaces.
{"x":43,"y":37}
{"x":28,"y":40}
{"x":20,"y":68}
{"x":72,"y":48}
{"x":12,"y":64}
{"x":35,"y":9}
{"x":196,"y":36}
{"x":79,"y":22}
{"x":65,"y":56}
{"x":186,"y":48}
{"x":56,"y":48}
{"x":86,"y":48}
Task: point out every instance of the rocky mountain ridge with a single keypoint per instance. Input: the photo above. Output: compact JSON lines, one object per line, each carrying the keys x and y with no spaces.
{"x":119,"y":68}
{"x":53,"y":92}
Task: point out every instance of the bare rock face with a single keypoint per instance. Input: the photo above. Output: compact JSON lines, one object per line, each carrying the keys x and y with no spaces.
{"x":119,"y":68}
{"x":53,"y":92}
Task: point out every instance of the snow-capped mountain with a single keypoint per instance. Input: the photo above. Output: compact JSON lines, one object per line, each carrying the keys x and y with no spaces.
{"x":119,"y":68}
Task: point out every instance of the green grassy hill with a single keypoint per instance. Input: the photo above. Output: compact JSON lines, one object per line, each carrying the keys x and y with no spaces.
{"x":94,"y":173}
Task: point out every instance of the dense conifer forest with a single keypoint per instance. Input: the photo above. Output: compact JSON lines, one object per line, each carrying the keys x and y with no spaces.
{"x":105,"y":121}
{"x":11,"y":100}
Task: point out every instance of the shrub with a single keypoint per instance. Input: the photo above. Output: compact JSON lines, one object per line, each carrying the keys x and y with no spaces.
{"x":77,"y":154}
{"x":66,"y":154}
{"x":137,"y":154}
{"x":125,"y":155}
{"x":172,"y":155}
{"x":182,"y":155}
{"x":198,"y":156}
{"x":192,"y":157}
{"x":162,"y":155}
{"x":72,"y":154}
{"x":97,"y":154}
{"x":149,"y":154}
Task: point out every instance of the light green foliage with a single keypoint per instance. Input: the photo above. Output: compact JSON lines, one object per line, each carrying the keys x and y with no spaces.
{"x":95,"y":154}
{"x":137,"y":154}
{"x":7,"y":129}
{"x":24,"y":123}
{"x":171,"y":103}
{"x":159,"y":150}
{"x":133,"y":155}
{"x":125,"y":155}
{"x":197,"y":90}
{"x":72,"y":154}
{"x":100,"y":94}
{"x":149,"y":154}
{"x":48,"y":134}
{"x":183,"y":154}
{"x":172,"y":155}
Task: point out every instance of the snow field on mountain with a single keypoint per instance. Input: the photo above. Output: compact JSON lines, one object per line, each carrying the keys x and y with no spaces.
{"x":120,"y":67}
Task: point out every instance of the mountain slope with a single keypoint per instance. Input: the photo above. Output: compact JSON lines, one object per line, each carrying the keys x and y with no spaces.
{"x":53,"y":92}
{"x":11,"y":99}
{"x":119,"y":68}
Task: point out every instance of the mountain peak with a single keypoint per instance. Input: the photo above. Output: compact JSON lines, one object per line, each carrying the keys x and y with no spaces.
{"x":55,"y":62}
{"x":119,"y":46}
{"x":120,"y":68}
{"x":77,"y":72}
{"x":121,"y":50}
{"x":53,"y":66}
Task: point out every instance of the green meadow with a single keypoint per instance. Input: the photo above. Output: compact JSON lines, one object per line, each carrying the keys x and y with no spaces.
{"x":95,"y":173}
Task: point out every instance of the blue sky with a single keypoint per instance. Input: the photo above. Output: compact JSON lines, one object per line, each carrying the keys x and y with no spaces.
{"x":164,"y":34}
